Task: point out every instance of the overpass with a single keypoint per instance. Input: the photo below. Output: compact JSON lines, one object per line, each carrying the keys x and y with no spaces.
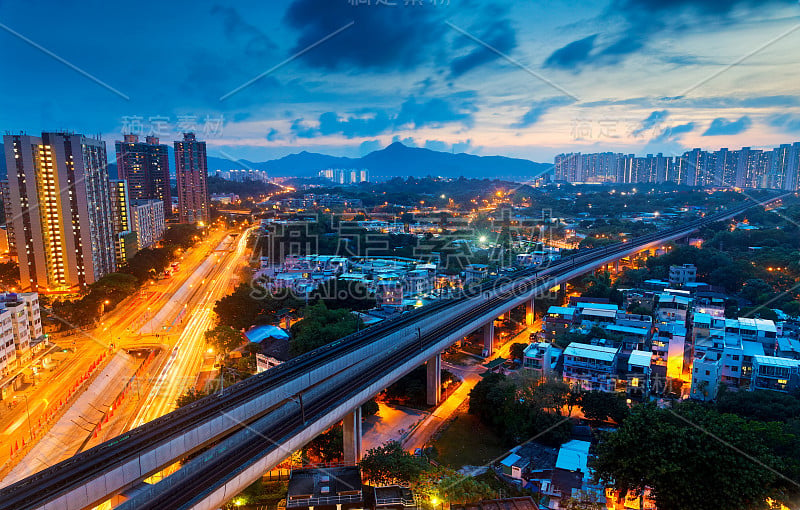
{"x":257,"y":423}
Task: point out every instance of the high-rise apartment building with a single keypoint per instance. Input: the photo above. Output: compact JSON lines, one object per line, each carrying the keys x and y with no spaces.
{"x":192,"y":176}
{"x":60,"y":211}
{"x":126,"y":242}
{"x":778,"y":168}
{"x":145,"y":165}
{"x":148,"y":221}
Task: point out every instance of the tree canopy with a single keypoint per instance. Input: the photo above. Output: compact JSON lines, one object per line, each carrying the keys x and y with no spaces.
{"x":694,"y":457}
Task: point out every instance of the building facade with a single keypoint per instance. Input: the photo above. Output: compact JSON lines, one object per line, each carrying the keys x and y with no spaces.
{"x":60,"y":213}
{"x":148,"y":221}
{"x":191,"y":172}
{"x":145,"y":165}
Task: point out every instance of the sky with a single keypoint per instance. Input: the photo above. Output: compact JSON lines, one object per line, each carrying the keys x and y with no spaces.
{"x":522,"y":78}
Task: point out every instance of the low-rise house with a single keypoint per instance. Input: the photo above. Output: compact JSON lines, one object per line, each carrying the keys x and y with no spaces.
{"x":638,"y":374}
{"x":336,"y":488}
{"x":593,"y":367}
{"x":541,"y":359}
{"x":772,"y":373}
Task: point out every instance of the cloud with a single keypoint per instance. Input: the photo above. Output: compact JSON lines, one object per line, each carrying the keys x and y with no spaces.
{"x":380,"y":38}
{"x":437,"y":111}
{"x":437,"y":145}
{"x":787,"y":122}
{"x":273,"y":135}
{"x":573,"y":53}
{"x":500,"y":35}
{"x":674,"y":132}
{"x":652,"y":120}
{"x":413,"y":113}
{"x":722,"y":126}
{"x":368,"y":146}
{"x":408,"y":141}
{"x":539,"y":108}
{"x":441,"y":146}
{"x":237,"y":30}
{"x":643,"y":20}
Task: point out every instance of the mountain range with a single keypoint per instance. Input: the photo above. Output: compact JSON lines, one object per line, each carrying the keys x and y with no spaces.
{"x":395,"y":160}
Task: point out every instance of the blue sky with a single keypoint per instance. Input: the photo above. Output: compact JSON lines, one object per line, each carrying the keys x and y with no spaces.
{"x":519,"y":78}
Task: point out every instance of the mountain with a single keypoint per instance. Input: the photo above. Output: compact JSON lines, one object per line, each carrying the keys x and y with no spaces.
{"x":395,"y":160}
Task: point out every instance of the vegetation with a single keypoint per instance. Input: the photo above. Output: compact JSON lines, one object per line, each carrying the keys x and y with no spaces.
{"x":467,"y":442}
{"x":600,"y":406}
{"x":411,"y":389}
{"x":9,"y":275}
{"x":695,"y":457}
{"x":519,"y":410}
{"x":390,"y":463}
{"x":321,"y":326}
{"x":224,"y":339}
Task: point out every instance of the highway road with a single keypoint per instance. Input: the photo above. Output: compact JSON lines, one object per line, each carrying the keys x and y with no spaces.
{"x":181,"y":368}
{"x":120,"y":326}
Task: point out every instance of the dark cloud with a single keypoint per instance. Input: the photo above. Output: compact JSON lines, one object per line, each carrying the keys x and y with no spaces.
{"x":437,"y":145}
{"x":500,"y":35}
{"x":674,"y":132}
{"x":437,"y":111}
{"x":237,"y":30}
{"x":642,"y":20}
{"x":572,"y":54}
{"x":407,"y":141}
{"x":413,"y":113}
{"x":788,"y":122}
{"x":331,"y":124}
{"x":539,"y":108}
{"x":273,"y":135}
{"x":722,"y":126}
{"x":380,"y":38}
{"x":652,"y":120}
{"x":368,"y":146}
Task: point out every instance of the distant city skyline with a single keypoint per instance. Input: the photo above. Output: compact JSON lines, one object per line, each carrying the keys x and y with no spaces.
{"x":521,"y":79}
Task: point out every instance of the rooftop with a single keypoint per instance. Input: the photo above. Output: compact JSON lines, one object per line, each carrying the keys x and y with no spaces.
{"x":640,"y":358}
{"x":591,"y":351}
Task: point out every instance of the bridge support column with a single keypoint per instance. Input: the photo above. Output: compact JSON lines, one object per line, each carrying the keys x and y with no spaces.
{"x":529,"y":314}
{"x":488,"y":338}
{"x":434,"y":389}
{"x":352,"y":437}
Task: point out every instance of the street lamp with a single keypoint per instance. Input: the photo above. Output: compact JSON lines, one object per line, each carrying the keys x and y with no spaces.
{"x":28,"y":413}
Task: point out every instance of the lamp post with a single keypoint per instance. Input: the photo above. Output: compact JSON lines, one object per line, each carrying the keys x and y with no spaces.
{"x":28,"y":413}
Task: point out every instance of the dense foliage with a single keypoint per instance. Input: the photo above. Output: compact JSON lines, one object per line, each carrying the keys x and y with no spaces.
{"x":695,"y":457}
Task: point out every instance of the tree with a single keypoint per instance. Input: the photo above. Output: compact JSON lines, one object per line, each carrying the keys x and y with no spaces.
{"x":328,"y":446}
{"x":349,"y":294}
{"x":224,"y":338}
{"x":457,"y":488}
{"x":518,"y":350}
{"x":600,"y":406}
{"x":390,"y":463}
{"x":760,"y":405}
{"x":321,"y":326}
{"x":190,"y":396}
{"x":517,"y":410}
{"x":369,"y":408}
{"x":676,"y":453}
{"x":9,"y":275}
